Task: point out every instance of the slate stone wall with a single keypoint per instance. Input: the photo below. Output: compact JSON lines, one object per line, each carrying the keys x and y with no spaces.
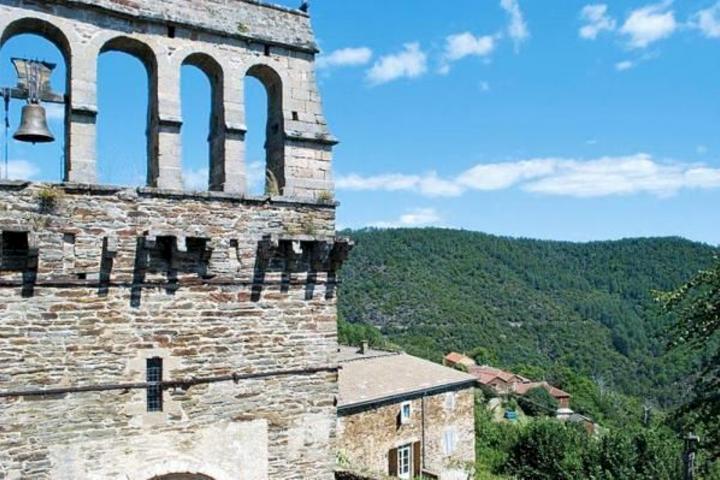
{"x":213,"y":284}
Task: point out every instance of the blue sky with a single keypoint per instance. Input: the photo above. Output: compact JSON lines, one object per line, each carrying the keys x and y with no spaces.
{"x":553,"y":119}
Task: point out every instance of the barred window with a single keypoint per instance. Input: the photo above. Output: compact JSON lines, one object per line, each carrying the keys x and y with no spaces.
{"x":154,"y":392}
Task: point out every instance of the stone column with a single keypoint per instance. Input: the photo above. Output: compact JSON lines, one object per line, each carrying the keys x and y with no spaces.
{"x":166,"y":127}
{"x":234,"y":178}
{"x":81,"y":118}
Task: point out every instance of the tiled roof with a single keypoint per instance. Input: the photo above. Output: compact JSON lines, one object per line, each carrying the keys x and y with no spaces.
{"x":485,"y":374}
{"x":454,"y":357}
{"x":523,"y":388}
{"x":378,"y":375}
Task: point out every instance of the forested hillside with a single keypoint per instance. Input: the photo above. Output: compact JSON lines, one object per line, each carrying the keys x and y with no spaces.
{"x":534,"y":305}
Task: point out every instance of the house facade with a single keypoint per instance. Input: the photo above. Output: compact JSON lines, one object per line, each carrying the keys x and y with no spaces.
{"x":401,"y":416}
{"x":154,"y":333}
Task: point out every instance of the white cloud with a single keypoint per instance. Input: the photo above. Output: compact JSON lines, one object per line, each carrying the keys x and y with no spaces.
{"x":708,"y":21}
{"x":623,"y":176}
{"x":484,"y":86}
{"x":604,"y":176}
{"x":624,"y":65}
{"x":517,"y":29}
{"x":428,"y":184}
{"x":19,"y":170}
{"x":256,"y":172}
{"x":411,"y":62}
{"x":196,"y":180}
{"x":461,"y":45}
{"x":498,"y":176}
{"x":597,"y":20}
{"x":465,"y":44}
{"x":345,"y":57}
{"x":415,"y":218}
{"x":649,"y":24}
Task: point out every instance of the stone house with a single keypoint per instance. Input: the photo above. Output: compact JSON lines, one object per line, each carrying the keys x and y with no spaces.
{"x":504,"y":383}
{"x":458,"y":360}
{"x":141,"y":329}
{"x":402,"y":416}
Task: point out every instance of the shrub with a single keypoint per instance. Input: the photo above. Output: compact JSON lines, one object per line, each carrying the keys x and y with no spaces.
{"x":538,"y":403}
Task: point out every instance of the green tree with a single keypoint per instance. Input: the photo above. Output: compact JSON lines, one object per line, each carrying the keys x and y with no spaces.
{"x":538,"y":403}
{"x":696,"y":304}
{"x":549,"y":450}
{"x":483,"y":356}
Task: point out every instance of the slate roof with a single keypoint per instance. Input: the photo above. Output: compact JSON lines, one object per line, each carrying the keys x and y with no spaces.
{"x":377,"y":375}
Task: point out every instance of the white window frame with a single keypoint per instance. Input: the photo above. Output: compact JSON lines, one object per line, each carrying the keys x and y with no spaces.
{"x":450,"y":441}
{"x":405,"y":412}
{"x":405,"y":461}
{"x":450,"y":401}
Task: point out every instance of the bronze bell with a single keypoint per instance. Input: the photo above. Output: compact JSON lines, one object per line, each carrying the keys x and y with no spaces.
{"x":33,"y":125}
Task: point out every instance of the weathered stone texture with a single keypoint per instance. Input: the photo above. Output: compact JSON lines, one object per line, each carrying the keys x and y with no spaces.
{"x":89,"y":312}
{"x":229,"y":40}
{"x":366,"y":436}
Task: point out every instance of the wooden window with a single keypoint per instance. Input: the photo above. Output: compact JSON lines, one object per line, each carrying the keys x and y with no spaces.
{"x":404,"y":461}
{"x":154,"y":374}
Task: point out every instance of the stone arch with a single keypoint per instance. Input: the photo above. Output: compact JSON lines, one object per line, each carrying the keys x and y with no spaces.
{"x":275,"y":128}
{"x":55,"y":35}
{"x":215,"y":74}
{"x":147,"y":57}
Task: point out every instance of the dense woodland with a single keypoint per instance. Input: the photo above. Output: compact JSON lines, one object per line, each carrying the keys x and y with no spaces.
{"x":537,"y":306}
{"x":586,"y":317}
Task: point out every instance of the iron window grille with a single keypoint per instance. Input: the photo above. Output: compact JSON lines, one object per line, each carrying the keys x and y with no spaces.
{"x":154,"y":392}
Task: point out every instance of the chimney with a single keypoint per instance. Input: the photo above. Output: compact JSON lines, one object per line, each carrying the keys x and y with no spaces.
{"x":364,"y":348}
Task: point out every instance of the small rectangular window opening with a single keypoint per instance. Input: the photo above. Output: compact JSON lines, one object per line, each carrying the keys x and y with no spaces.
{"x":450,"y":400}
{"x":267,"y":50}
{"x":295,"y":116}
{"x":405,"y":412}
{"x":450,"y":441}
{"x":171,"y":31}
{"x":154,"y":392}
{"x":14,"y":250}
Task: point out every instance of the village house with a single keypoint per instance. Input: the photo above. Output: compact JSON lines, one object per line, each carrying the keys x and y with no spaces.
{"x":505,"y":383}
{"x":402,"y":416}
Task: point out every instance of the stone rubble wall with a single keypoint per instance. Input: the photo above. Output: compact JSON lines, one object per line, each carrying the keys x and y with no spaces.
{"x":366,"y":437}
{"x":86,"y":312}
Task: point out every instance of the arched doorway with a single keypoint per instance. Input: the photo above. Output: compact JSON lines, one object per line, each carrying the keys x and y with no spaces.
{"x":182,"y":476}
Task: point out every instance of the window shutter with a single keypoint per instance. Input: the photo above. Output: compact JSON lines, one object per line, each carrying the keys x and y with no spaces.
{"x":416,"y":459}
{"x":393,"y":462}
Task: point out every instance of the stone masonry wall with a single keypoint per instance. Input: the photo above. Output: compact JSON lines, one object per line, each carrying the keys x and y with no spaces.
{"x":114,"y":277}
{"x":365,"y":438}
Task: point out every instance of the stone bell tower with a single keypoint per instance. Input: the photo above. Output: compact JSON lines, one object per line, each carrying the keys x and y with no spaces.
{"x":150,"y":333}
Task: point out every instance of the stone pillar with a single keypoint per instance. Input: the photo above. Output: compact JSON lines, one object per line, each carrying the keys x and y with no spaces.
{"x":166,"y":127}
{"x":232,"y":176}
{"x":81,"y":118}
